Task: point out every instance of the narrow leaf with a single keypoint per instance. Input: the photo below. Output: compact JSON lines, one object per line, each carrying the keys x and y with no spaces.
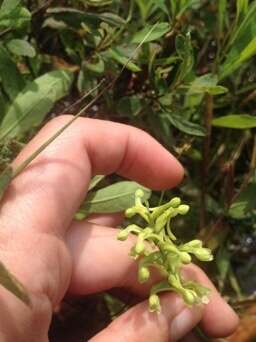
{"x":95,"y":181}
{"x":184,"y":125}
{"x":119,"y":57}
{"x":237,"y":121}
{"x":160,"y":30}
{"x":8,"y":281}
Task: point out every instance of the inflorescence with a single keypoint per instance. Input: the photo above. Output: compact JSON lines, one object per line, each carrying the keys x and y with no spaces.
{"x":155,"y":247}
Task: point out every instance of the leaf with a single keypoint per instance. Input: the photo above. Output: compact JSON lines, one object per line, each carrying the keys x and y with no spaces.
{"x":95,"y":181}
{"x":15,"y":19}
{"x":223,"y":264}
{"x":113,"y":198}
{"x":222,"y":15}
{"x":12,"y":80}
{"x":21,"y":47}
{"x":5,"y":178}
{"x":160,"y":30}
{"x":241,"y":7}
{"x":242,"y":43}
{"x":184,"y":125}
{"x":75,"y":18}
{"x":236,"y":121}
{"x":233,"y":64}
{"x":34,"y":102}
{"x":129,"y":105}
{"x":185,"y":52}
{"x":8,"y":281}
{"x":119,"y":57}
{"x":206,"y":84}
{"x":9,"y":5}
{"x":245,"y":203}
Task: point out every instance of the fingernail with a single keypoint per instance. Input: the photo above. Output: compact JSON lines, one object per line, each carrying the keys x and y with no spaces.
{"x":185,"y":321}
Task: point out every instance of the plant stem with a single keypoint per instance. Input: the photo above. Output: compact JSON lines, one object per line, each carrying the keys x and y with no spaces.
{"x":208,"y":116}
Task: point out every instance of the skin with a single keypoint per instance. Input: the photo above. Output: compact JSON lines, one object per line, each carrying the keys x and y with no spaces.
{"x":52,"y":255}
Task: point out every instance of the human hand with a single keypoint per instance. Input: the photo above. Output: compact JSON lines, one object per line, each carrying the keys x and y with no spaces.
{"x":52,"y":255}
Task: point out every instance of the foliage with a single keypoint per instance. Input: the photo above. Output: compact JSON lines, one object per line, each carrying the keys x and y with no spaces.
{"x":191,"y":84}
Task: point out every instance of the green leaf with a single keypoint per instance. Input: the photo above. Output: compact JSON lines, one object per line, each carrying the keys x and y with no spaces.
{"x":8,"y":281}
{"x":160,"y":30}
{"x":113,"y":198}
{"x":185,"y":52}
{"x":5,"y":179}
{"x":12,"y":80}
{"x":119,"y":57}
{"x":95,"y":181}
{"x":34,"y":102}
{"x":9,"y":5}
{"x":242,"y":43}
{"x":206,"y":84}
{"x":184,"y":125}
{"x":15,"y":19}
{"x":241,"y":8}
{"x":245,"y":203}
{"x":233,"y":64}
{"x":21,"y":47}
{"x":222,"y":15}
{"x":237,"y":121}
{"x":75,"y":18}
{"x":223,"y":264}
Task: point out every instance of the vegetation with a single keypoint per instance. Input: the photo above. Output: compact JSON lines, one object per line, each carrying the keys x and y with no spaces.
{"x":186,"y":74}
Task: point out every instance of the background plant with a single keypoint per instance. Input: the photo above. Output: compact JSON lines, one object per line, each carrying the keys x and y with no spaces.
{"x":191,"y":85}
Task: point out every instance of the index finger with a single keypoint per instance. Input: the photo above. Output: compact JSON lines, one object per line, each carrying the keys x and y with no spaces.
{"x":48,"y":193}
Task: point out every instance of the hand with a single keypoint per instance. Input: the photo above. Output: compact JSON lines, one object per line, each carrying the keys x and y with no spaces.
{"x":50,"y":254}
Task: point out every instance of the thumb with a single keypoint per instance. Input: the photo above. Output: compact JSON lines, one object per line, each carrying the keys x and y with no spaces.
{"x":138,"y":324}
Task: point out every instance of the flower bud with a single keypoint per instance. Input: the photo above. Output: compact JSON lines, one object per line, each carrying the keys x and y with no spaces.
{"x":185,"y":258}
{"x":203,"y":254}
{"x":139,"y":247}
{"x":189,"y":297}
{"x":193,"y":244}
{"x":154,"y":303}
{"x":175,"y":202}
{"x":143,"y":274}
{"x":183,"y":209}
{"x":123,"y":234}
{"x":130,"y":212}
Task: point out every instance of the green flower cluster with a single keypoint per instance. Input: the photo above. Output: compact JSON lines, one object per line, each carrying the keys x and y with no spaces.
{"x":155,"y":247}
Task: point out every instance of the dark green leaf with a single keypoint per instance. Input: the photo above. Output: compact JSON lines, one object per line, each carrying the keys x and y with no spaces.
{"x":129,"y":105}
{"x":21,"y":47}
{"x":34,"y":102}
{"x":245,"y":203}
{"x":113,"y":198}
{"x":184,"y":125}
{"x":237,"y":121}
{"x":12,"y":80}
{"x":8,"y":281}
